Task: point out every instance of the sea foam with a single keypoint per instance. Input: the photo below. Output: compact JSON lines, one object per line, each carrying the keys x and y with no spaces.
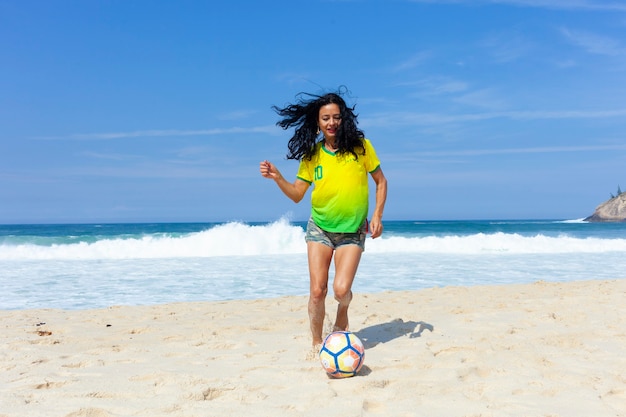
{"x":281,"y":237}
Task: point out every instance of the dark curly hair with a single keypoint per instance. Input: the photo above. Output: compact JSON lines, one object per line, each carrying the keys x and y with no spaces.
{"x":304,"y":115}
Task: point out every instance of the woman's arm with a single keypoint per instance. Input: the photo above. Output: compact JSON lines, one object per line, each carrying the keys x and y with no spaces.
{"x":376,"y":225}
{"x":295,"y":191}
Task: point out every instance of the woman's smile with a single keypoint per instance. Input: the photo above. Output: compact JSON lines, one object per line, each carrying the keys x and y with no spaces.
{"x":329,"y":120}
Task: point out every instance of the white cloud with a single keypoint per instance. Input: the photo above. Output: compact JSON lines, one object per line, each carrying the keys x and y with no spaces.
{"x":162,"y":133}
{"x":435,"y":86}
{"x":566,"y":4}
{"x":109,"y":156}
{"x":595,"y":44}
{"x":237,"y":115}
{"x":546,"y":4}
{"x":551,"y":149}
{"x":411,"y":62}
{"x":508,"y":47}
{"x":418,"y":118}
{"x":462,"y":155}
{"x":485,"y":99}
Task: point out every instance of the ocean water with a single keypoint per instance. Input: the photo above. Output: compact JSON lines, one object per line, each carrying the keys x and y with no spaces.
{"x":99,"y":265}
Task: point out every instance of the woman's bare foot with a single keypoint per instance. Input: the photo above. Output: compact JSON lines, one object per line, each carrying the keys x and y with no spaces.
{"x":340,"y":329}
{"x":314,"y":353}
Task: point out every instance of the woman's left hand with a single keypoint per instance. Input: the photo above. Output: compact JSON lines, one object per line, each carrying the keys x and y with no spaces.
{"x":376,"y":228}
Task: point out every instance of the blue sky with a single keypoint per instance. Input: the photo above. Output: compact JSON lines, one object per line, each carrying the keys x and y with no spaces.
{"x":124,"y":111}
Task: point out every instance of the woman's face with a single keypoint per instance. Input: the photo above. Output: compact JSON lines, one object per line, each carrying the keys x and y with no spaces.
{"x":329,"y":120}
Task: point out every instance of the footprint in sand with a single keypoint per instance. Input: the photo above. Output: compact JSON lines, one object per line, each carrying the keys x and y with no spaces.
{"x":50,"y":385}
{"x":89,"y":412}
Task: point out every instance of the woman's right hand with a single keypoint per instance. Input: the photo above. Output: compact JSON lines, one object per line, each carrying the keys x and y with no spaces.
{"x":295,"y":191}
{"x":268,"y":170}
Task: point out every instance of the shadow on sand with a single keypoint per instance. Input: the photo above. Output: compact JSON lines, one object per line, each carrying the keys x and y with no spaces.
{"x":384,"y":332}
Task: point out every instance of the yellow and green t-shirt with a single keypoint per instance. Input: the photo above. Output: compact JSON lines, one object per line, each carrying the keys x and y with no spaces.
{"x":339,"y":201}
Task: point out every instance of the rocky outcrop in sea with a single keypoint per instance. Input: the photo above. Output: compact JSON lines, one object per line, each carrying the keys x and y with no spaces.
{"x":612,"y":210}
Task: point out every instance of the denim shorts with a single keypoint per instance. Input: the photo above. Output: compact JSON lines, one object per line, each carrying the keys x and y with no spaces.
{"x":315,"y":234}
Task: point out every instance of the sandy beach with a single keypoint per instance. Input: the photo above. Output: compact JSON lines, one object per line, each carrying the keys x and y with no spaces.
{"x":541,"y":349}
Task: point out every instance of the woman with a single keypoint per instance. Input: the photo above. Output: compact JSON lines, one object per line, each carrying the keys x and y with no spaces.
{"x":336,"y":163}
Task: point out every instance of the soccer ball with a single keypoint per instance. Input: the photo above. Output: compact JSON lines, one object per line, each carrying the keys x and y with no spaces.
{"x":342,"y":354}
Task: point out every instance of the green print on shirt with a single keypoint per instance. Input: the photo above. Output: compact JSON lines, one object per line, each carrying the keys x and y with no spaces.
{"x":318,"y":173}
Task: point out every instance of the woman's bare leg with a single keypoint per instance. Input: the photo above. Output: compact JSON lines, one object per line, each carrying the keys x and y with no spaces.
{"x":347,"y":260}
{"x":319,"y":256}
